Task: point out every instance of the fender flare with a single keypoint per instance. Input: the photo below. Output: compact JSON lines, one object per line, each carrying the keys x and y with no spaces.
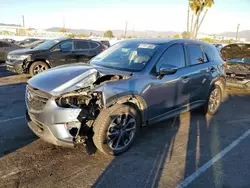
{"x":127,"y":97}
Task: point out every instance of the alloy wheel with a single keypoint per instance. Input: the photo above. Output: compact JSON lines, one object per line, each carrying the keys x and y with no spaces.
{"x":214,"y":100}
{"x":39,"y":68}
{"x":121,"y":131}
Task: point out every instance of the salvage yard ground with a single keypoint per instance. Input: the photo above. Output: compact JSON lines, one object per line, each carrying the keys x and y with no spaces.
{"x":189,"y":151}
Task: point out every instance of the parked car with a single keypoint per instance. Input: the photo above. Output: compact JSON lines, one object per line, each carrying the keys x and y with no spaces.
{"x":6,"y":47}
{"x":52,"y":53}
{"x":237,"y":57}
{"x":9,"y":40}
{"x":131,"y":84}
{"x":26,"y":41}
{"x":106,"y":43}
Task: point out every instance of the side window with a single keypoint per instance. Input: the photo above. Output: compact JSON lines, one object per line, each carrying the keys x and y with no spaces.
{"x":66,"y":46}
{"x":210,"y":52}
{"x":93,"y":45}
{"x":195,"y":54}
{"x":1,"y":44}
{"x":81,"y":45}
{"x":173,"y":56}
{"x":5,"y":45}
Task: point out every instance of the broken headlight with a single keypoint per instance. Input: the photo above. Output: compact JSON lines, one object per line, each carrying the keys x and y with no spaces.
{"x":67,"y":102}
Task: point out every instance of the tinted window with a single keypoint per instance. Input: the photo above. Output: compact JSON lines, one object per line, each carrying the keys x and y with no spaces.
{"x":195,"y":54}
{"x":1,"y":44}
{"x":93,"y":45}
{"x":46,"y":45}
{"x":66,"y":46}
{"x":5,"y":45}
{"x":210,"y":52}
{"x":174,"y":56}
{"x":81,"y":45}
{"x":126,"y":55}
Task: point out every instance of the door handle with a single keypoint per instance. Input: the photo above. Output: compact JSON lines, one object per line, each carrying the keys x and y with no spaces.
{"x":185,"y":79}
{"x":212,"y":69}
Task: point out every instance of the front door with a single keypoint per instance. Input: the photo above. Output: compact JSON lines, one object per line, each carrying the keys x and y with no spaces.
{"x":168,"y":93}
{"x":62,"y":54}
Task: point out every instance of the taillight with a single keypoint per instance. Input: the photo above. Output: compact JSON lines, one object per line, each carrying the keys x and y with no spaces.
{"x":103,"y":48}
{"x":224,"y":64}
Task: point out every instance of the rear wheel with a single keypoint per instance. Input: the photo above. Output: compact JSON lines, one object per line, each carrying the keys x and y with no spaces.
{"x":213,"y":101}
{"x":38,"y":67}
{"x":115,"y":129}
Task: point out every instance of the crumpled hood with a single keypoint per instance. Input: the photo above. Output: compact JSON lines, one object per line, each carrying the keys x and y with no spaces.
{"x":239,"y":50}
{"x":68,"y":78}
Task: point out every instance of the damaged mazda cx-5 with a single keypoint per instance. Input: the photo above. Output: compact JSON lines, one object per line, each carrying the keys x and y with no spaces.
{"x":131,"y":84}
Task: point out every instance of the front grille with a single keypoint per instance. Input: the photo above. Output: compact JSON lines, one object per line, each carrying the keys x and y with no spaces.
{"x":36,"y":99}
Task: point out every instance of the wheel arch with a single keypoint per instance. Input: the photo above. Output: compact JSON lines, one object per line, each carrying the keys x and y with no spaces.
{"x":35,"y":60}
{"x":221,"y":82}
{"x":134,"y":100}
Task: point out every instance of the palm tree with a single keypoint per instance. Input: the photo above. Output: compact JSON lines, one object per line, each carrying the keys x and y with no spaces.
{"x":208,"y":4}
{"x":197,"y":7}
{"x":188,"y":21}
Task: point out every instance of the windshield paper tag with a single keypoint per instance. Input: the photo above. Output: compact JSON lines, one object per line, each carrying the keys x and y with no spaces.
{"x":149,"y":46}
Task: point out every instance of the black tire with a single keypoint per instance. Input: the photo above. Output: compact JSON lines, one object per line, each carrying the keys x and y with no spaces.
{"x":206,"y":109}
{"x":102,"y":128}
{"x":38,"y":67}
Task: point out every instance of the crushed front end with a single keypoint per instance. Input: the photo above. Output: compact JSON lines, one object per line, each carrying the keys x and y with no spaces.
{"x":63,"y":120}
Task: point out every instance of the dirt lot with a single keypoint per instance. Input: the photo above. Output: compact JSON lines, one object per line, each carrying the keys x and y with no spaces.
{"x":189,"y":151}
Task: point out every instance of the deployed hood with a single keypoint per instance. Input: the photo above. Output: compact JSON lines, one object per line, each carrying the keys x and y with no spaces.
{"x":233,"y":51}
{"x":68,"y":78}
{"x":25,"y":51}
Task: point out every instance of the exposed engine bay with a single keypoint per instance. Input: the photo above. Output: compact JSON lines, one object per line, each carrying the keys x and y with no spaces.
{"x":90,"y":102}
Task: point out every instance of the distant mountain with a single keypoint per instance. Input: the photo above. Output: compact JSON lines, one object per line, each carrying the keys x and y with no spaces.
{"x":13,"y":25}
{"x":242,"y":34}
{"x":117,"y":33}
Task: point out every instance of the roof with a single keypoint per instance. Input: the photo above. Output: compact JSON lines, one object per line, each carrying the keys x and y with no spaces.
{"x":163,"y":40}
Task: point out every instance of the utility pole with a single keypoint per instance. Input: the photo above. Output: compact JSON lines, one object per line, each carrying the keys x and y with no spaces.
{"x":23,"y":20}
{"x":237,"y":32}
{"x":63,"y":23}
{"x":133,"y":30}
{"x":125,"y":34}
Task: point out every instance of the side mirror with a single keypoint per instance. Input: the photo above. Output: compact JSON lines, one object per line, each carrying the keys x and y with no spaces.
{"x":167,"y":70}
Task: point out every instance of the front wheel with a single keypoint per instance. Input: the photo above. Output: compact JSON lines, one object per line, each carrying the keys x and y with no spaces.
{"x":38,"y":67}
{"x":115,"y":129}
{"x":213,"y":101}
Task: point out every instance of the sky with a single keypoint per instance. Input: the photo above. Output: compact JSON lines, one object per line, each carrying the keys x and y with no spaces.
{"x":159,"y":15}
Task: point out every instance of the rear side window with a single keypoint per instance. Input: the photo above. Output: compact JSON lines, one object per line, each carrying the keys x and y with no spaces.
{"x":173,"y":56}
{"x":81,"y":45}
{"x":4,"y":45}
{"x":195,"y":54}
{"x":93,"y":45}
{"x":209,"y":52}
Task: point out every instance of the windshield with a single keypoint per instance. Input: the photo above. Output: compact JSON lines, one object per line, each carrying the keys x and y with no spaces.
{"x":46,"y":45}
{"x":126,"y":56}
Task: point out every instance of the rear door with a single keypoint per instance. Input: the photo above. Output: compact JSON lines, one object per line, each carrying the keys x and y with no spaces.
{"x":62,"y":54}
{"x":199,"y":73}
{"x":83,"y":51}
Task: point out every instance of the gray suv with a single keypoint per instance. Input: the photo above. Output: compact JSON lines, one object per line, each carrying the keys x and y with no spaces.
{"x":131,"y":84}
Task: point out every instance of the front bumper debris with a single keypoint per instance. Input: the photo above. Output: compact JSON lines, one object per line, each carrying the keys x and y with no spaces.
{"x":16,"y":66}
